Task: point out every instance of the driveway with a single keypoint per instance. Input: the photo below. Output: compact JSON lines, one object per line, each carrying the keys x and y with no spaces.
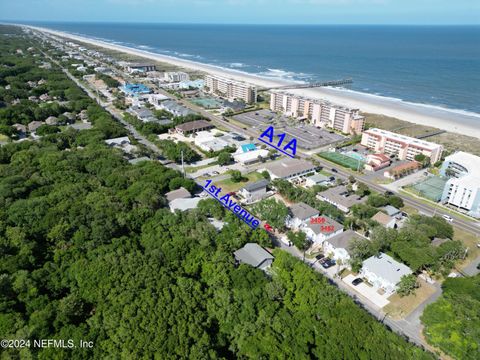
{"x":366,"y":291}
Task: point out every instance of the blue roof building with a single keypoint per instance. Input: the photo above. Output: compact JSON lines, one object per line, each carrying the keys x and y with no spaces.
{"x":248,"y":147}
{"x":135,"y":89}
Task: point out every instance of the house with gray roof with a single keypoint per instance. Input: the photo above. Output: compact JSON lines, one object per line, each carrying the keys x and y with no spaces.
{"x":317,"y":179}
{"x":254,"y":255}
{"x":254,"y":191}
{"x":383,"y":272}
{"x":319,"y":231}
{"x":288,"y":169}
{"x":340,"y":197}
{"x":338,"y":246}
{"x":180,"y":193}
{"x":299,"y":214}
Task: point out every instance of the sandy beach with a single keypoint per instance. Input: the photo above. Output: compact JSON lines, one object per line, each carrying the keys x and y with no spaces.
{"x":449,"y":120}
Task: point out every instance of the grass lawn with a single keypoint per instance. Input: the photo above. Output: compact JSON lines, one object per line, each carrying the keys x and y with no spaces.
{"x":434,"y":204}
{"x":228,"y":185}
{"x":470,"y":241}
{"x":400,"y":307}
{"x":193,"y":169}
{"x":4,"y":137}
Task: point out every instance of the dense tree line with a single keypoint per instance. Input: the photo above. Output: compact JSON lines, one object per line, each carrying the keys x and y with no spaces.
{"x":89,"y":250}
{"x":173,"y":151}
{"x":296,"y":194}
{"x":412,"y":245}
{"x":452,"y":323}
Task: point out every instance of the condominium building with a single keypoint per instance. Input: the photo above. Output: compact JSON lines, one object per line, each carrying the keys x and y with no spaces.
{"x":176,"y":76}
{"x":321,"y":113}
{"x":463,"y":187}
{"x":404,"y":147}
{"x":231,"y":89}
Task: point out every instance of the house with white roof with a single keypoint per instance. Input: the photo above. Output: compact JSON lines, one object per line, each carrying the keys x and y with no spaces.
{"x":184,"y":204}
{"x":383,"y":272}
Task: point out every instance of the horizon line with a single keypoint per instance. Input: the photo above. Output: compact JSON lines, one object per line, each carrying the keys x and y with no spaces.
{"x":225,"y":24}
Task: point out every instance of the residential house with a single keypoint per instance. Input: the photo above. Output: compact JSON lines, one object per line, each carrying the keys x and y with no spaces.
{"x":392,"y":211}
{"x":34,"y":125}
{"x":385,"y":220}
{"x":299,"y":214}
{"x":254,"y":191}
{"x":254,"y":255}
{"x":51,"y":120}
{"x":318,"y":232}
{"x":180,"y":193}
{"x":383,"y":272}
{"x":193,"y":127}
{"x":317,"y":179}
{"x":341,"y":198}
{"x":175,"y":108}
{"x":123,"y":143}
{"x":184,"y":204}
{"x":338,"y":246}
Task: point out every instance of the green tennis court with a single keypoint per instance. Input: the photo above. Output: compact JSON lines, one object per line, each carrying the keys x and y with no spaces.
{"x":342,"y":160}
{"x":431,"y":188}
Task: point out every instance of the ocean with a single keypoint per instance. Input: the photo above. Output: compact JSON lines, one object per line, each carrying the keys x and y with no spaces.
{"x":433,"y":65}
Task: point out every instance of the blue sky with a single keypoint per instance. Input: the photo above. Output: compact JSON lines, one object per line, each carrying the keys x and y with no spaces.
{"x":247,"y":11}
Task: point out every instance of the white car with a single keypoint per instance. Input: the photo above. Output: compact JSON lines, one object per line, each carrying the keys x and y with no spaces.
{"x":448,"y":218}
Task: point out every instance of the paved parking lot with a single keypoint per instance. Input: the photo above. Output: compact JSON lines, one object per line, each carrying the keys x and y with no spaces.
{"x":308,"y":137}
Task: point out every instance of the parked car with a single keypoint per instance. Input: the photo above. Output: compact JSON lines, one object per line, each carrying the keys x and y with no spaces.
{"x":389,"y":193}
{"x":357,"y":281}
{"x":215,"y":173}
{"x":319,"y":256}
{"x":334,"y":170}
{"x":448,"y":218}
{"x":268,"y":227}
{"x":327,"y":263}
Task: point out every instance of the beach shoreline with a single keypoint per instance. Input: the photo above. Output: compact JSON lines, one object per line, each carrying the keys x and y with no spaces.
{"x":454,"y":121}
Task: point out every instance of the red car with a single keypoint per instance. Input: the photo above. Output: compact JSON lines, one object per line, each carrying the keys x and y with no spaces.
{"x":268,"y":227}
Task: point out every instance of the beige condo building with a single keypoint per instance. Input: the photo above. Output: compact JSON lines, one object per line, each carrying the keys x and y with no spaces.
{"x":404,"y":147}
{"x":231,"y":89}
{"x":321,"y":113}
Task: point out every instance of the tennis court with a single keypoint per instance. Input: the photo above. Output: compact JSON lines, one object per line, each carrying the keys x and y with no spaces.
{"x":342,"y":160}
{"x":207,"y":103}
{"x":431,"y":188}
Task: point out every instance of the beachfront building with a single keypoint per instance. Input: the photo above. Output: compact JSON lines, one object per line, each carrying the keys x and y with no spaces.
{"x":321,"y":113}
{"x":176,"y":76}
{"x":231,"y":89}
{"x":462,"y":190}
{"x":403,"y":147}
{"x":143,"y":68}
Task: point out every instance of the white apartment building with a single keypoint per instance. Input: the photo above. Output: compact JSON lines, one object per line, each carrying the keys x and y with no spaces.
{"x":231,"y":89}
{"x":321,"y":113}
{"x":176,"y":76}
{"x":404,"y":147}
{"x":463,"y":188}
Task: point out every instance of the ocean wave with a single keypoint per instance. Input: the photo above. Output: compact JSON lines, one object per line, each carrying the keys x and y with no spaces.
{"x":382,"y":97}
{"x":282,"y":75}
{"x":237,"y":65}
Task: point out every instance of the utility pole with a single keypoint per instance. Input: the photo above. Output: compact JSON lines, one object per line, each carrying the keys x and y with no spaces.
{"x":183,"y":166}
